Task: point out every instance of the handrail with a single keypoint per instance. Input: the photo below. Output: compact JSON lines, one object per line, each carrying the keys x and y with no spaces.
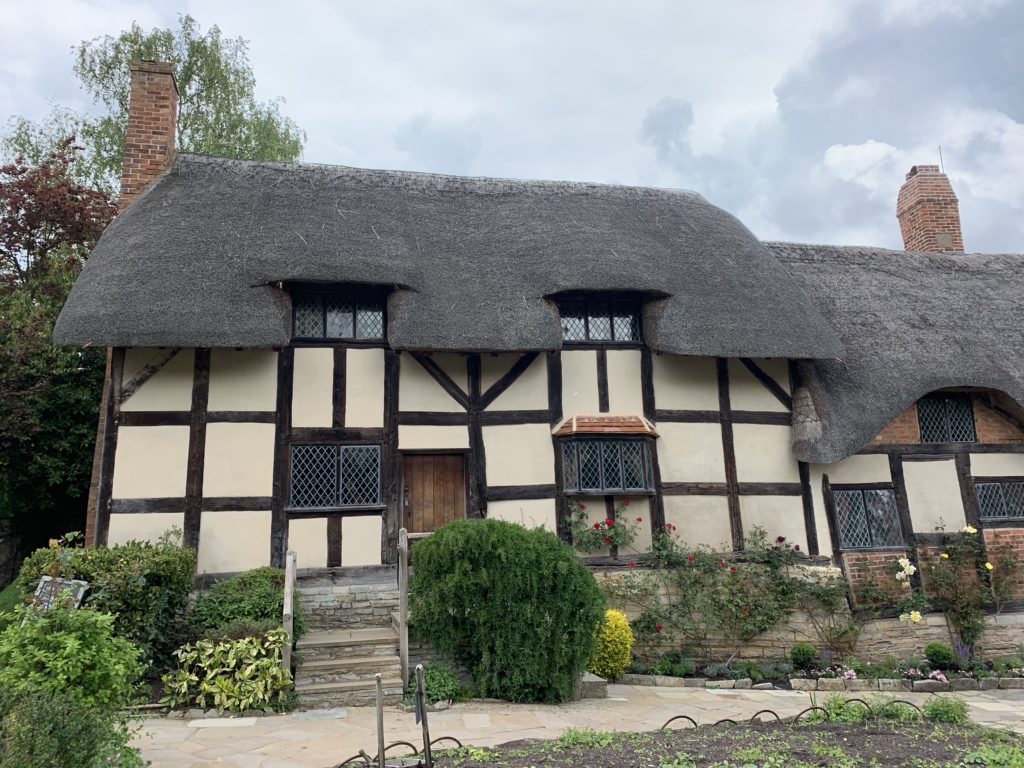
{"x":288,"y":619}
{"x":403,"y":603}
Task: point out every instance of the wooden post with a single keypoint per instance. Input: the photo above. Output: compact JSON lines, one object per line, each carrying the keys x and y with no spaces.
{"x":403,"y":603}
{"x":380,"y":720}
{"x":421,"y":695}
{"x":289,"y":609}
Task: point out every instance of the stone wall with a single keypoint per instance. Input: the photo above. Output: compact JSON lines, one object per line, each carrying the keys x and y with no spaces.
{"x":329,"y":605}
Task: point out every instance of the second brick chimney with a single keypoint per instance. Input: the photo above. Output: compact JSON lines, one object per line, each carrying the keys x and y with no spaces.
{"x":928,"y":212}
{"x":149,"y":137}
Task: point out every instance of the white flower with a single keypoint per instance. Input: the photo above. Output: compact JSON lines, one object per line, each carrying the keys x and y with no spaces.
{"x":904,"y":562}
{"x":901,"y":576}
{"x":910,"y":570}
{"x":970,"y":529}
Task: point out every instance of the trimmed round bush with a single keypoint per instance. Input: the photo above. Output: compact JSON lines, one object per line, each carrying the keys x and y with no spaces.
{"x":803,"y":655}
{"x":253,"y":598}
{"x":514,"y":606}
{"x":614,"y":645}
{"x":939,"y":655}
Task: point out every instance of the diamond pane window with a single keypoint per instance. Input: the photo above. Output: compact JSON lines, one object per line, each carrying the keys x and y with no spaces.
{"x":356,"y":313}
{"x":867,"y":519}
{"x":606,"y":465}
{"x":335,"y":476}
{"x":946,"y":419}
{"x":1001,"y":501}
{"x":600,"y":320}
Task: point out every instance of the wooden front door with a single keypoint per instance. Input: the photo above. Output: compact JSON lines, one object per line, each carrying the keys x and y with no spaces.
{"x":434,"y":490}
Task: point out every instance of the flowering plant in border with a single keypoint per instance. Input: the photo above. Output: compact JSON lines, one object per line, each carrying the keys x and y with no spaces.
{"x":611,"y":533}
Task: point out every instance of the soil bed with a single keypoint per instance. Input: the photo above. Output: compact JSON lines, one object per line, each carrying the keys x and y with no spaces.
{"x":889,"y":744}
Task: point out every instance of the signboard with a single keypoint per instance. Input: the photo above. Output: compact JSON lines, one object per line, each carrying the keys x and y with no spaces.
{"x":59,"y":593}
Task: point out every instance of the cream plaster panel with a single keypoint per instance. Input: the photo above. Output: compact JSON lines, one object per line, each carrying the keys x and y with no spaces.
{"x":243,"y":380}
{"x":530,"y":513}
{"x":866,"y":468}
{"x":233,"y":541}
{"x":997,"y":464}
{"x":579,"y":382}
{"x":313,"y":387}
{"x":417,"y":390}
{"x":144,"y":527}
{"x":308,"y":538}
{"x":763,"y":454}
{"x":364,"y":388}
{"x":625,"y":394}
{"x":777,"y":515}
{"x":411,"y":437}
{"x":519,"y":454}
{"x":685,"y":383}
{"x":691,"y":453}
{"x":818,"y":497}
{"x":169,"y":389}
{"x":933,"y":495}
{"x":150,"y":463}
{"x":493,"y":367}
{"x":239,"y":460}
{"x":746,"y":393}
{"x":360,"y":540}
{"x":700,"y":520}
{"x":528,"y":393}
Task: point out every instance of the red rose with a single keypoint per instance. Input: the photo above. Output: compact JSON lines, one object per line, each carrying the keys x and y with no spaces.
{"x":796,"y":547}
{"x":581,"y":505}
{"x":597,"y":526}
{"x":658,"y":627}
{"x":733,"y":569}
{"x":690,"y":558}
{"x":607,"y":539}
{"x":610,"y":523}
{"x":625,"y":502}
{"x":721,"y":565}
{"x":639,"y":519}
{"x":780,"y":539}
{"x":632,"y":564}
{"x":746,"y":609}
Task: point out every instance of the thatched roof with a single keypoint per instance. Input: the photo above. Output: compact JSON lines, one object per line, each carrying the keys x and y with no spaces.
{"x":195,"y":260}
{"x":911,"y":323}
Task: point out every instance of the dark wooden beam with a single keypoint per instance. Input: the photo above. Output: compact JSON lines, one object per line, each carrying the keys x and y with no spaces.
{"x":500,"y":418}
{"x":602,"y":380}
{"x":647,"y":383}
{"x":688,"y":417}
{"x":307,"y":435}
{"x":511,"y":376}
{"x":968,"y":493}
{"x":833,"y":523}
{"x":333,"y":542}
{"x":658,"y":501}
{"x":159,"y":360}
{"x":807,"y":498}
{"x":609,"y":514}
{"x":209,"y":504}
{"x":433,"y":418}
{"x":112,"y":414}
{"x":282,"y":458}
{"x":769,"y":382}
{"x":339,"y":390}
{"x":729,"y":451}
{"x":555,"y":386}
{"x":899,"y":492}
{"x":694,"y":489}
{"x":561,"y":503}
{"x":391,"y":470}
{"x":147,"y":506}
{"x":442,"y":378}
{"x":184,"y":418}
{"x":861,"y":486}
{"x":762,"y":417}
{"x":942,"y":449}
{"x":477,"y":460}
{"x":520,"y":492}
{"x":196,"y":450}
{"x":770,"y":489}
{"x":241,"y":417}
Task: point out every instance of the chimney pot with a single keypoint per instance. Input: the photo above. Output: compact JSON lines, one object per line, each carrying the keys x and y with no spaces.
{"x":150,"y":133}
{"x":928,"y":212}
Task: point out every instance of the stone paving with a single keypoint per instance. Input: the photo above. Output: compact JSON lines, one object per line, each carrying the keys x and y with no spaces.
{"x":321,"y":740}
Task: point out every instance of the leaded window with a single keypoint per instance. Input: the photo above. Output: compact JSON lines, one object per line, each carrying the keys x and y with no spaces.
{"x":599,"y":320}
{"x":1002,"y":500}
{"x":596,"y":465}
{"x":335,"y":476}
{"x":867,"y":518}
{"x":946,"y":419}
{"x":338,"y":314}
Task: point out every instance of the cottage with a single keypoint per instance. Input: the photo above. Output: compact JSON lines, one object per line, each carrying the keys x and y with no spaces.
{"x":311,"y":357}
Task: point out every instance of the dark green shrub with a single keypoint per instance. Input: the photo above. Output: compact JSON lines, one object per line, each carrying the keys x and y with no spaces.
{"x":42,"y":729}
{"x":253,"y":596}
{"x":240,"y":629}
{"x":803,"y":655}
{"x":440,"y":683}
{"x":939,"y":655}
{"x":75,"y":651}
{"x":514,"y":606}
{"x":946,"y":709}
{"x":144,"y":585}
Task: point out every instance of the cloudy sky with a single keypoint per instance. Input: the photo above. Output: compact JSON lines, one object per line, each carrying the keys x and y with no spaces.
{"x":799,"y":117}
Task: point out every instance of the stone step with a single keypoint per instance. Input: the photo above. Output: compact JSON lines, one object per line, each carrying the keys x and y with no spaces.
{"x":336,"y":645}
{"x":353,"y":693}
{"x":346,"y":670}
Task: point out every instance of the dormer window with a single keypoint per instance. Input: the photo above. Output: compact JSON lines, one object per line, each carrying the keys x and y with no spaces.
{"x":946,"y":418}
{"x":345,"y":313}
{"x":593,"y":319}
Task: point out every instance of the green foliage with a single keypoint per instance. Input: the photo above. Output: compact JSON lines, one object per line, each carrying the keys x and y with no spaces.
{"x":514,"y":606}
{"x":995,"y":756}
{"x":614,"y":644}
{"x":440,"y":684}
{"x":255,"y":596}
{"x":604,"y":534}
{"x":10,"y":598}
{"x":144,"y":585}
{"x":42,"y":728}
{"x":239,"y":629}
{"x":584,"y":737}
{"x":234,"y":675}
{"x":69,"y":650}
{"x":803,"y":655}
{"x":946,"y":709}
{"x":954,"y":579}
{"x":939,"y":655}
{"x":218,"y":113}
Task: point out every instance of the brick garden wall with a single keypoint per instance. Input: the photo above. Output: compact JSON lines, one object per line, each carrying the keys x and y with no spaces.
{"x":1008,"y":542}
{"x":872,"y":568}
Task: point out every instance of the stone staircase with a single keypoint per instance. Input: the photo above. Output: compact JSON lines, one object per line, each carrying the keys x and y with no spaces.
{"x":349,"y":638}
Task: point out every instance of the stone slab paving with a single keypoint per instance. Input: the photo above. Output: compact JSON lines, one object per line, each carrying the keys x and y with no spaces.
{"x":300,"y":741}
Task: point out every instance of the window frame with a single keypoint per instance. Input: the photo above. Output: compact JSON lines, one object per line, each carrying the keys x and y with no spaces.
{"x":584,"y":301}
{"x":946,"y":398}
{"x":863,"y":489}
{"x":374,"y":297}
{"x":1000,"y":482}
{"x":339,"y":449}
{"x":647,"y":448}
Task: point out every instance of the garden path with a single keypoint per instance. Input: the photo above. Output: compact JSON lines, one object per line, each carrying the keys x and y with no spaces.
{"x":317,"y":740}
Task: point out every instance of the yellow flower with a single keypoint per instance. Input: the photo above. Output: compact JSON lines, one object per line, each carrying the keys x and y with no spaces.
{"x":970,"y":529}
{"x":54,"y":543}
{"x":945,"y":556}
{"x":988,"y":566}
{"x":904,"y":616}
{"x":915,"y":616}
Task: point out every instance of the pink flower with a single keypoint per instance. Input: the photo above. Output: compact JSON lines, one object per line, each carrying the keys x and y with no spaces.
{"x":658,"y":627}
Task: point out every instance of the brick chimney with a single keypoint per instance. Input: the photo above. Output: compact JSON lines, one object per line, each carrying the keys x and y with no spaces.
{"x":152,"y":125}
{"x":928,"y":212}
